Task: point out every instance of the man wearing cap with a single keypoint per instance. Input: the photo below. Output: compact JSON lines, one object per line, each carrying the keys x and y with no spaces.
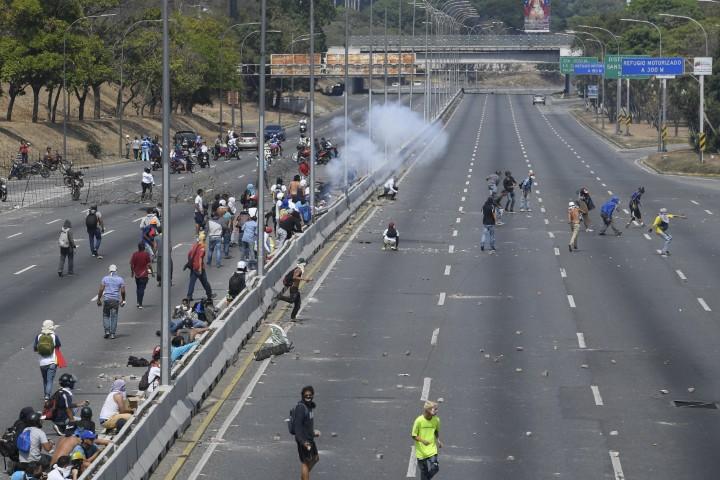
{"x":661,"y":226}
{"x":249,"y":237}
{"x":426,"y":433}
{"x":195,"y":263}
{"x":237,"y":282}
{"x":111,"y":296}
{"x":88,"y":447}
{"x":48,"y":363}
{"x":294,"y":297}
{"x":526,"y":189}
{"x":574,"y":221}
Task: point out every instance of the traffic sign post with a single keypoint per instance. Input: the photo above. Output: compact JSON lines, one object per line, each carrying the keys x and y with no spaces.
{"x":653,"y":66}
{"x":592,"y":91}
{"x":567,"y":63}
{"x":702,"y":66}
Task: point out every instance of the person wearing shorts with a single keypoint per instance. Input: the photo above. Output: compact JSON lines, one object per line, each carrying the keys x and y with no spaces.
{"x":305,"y":433}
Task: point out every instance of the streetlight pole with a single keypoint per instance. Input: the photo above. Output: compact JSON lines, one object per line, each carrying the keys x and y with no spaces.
{"x":232,"y":107}
{"x":165,"y":244}
{"x":220,"y":96}
{"x":412,"y":51}
{"x":261,"y":145}
{"x":602,"y":79}
{"x":400,"y":50}
{"x":618,"y":82}
{"x":370,"y":73}
{"x":346,"y":94}
{"x":65,"y":106}
{"x":385,"y":80}
{"x":702,"y":78}
{"x":293,"y":41}
{"x":662,"y":106}
{"x":312,"y":111}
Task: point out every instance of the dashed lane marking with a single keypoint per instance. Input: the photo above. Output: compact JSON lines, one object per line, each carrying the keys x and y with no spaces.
{"x":551,"y":234}
{"x":542,"y":209}
{"x":581,"y":340}
{"x":451,"y":249}
{"x":426,"y":389}
{"x":693,"y":201}
{"x":137,"y":219}
{"x":94,"y":299}
{"x":457,"y":220}
{"x":412,"y":464}
{"x":704,"y":304}
{"x":604,"y":185}
{"x":571,"y":301}
{"x":647,"y":236}
{"x":53,"y":221}
{"x":547,"y":222}
{"x":681,"y":275}
{"x":563,"y":273}
{"x":177,"y":246}
{"x":460,"y":209}
{"x":108,"y":233}
{"x":708,"y":212}
{"x":455,"y":232}
{"x":557,"y":251}
{"x":447,"y":269}
{"x":610,"y":192}
{"x":627,"y":212}
{"x":596,"y":395}
{"x":617,"y":467}
{"x":15,"y":235}
{"x":434,"y":339}
{"x":25,"y":269}
{"x":462,"y":199}
{"x":441,"y":299}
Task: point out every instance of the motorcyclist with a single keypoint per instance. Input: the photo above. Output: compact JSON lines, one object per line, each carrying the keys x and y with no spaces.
{"x":304,"y":142}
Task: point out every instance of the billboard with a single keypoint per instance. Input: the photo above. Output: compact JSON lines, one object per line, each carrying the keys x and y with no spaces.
{"x":294,"y":64}
{"x":537,"y":15}
{"x":333,"y":64}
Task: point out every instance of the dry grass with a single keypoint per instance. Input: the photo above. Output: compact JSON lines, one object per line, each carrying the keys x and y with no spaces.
{"x":641,"y":134}
{"x":684,"y":162}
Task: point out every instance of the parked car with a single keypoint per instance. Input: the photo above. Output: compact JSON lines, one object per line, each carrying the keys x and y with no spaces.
{"x":248,"y":140}
{"x":538,"y":99}
{"x":185,"y":137}
{"x":273,"y":129}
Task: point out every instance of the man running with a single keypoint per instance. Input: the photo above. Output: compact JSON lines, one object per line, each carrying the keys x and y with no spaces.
{"x":293,"y":283}
{"x":426,"y":433}
{"x":634,"y":207}
{"x":661,"y":226}
{"x":606,"y":212}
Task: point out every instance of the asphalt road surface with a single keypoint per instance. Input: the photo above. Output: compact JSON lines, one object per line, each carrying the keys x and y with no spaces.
{"x":32,"y":291}
{"x":547,"y":364}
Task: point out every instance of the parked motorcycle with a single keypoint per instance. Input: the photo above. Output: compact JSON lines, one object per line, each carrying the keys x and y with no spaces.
{"x":54,"y":162}
{"x":3,"y":190}
{"x":303,"y":125}
{"x":40,"y":168}
{"x":177,"y":166}
{"x":73,"y":177}
{"x":204,"y":159}
{"x":19,"y":170}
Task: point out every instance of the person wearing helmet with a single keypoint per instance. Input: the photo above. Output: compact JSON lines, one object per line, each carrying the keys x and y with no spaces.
{"x":37,"y":442}
{"x":236,"y":284}
{"x":606,"y":212}
{"x":526,"y":189}
{"x":111,"y":295}
{"x":574,"y":221}
{"x":661,"y":225}
{"x":95,"y":229}
{"x":77,"y":460}
{"x":65,"y":404}
{"x":634,"y":207}
{"x":147,"y":184}
{"x":86,"y":421}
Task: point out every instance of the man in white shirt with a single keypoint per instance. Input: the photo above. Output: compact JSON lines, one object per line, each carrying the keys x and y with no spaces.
{"x":148,"y":181}
{"x":199,"y":211}
{"x":390,"y":189}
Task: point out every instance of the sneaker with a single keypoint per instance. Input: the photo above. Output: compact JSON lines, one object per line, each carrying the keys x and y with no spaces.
{"x":601,"y":233}
{"x":522,"y":209}
{"x":500,"y":223}
{"x":529,"y":210}
{"x":94,"y":254}
{"x":60,"y":274}
{"x":112,"y":336}
{"x":107,"y":335}
{"x":570,"y":248}
{"x":140,"y":307}
{"x":617,"y":234}
{"x":664,"y":254}
{"x":482,"y":248}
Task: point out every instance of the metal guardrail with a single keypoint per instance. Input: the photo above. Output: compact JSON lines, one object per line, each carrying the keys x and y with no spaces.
{"x":529,"y":41}
{"x":145,"y":439}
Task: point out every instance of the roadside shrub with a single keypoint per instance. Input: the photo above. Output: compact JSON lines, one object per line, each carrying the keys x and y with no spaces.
{"x":94,"y":149}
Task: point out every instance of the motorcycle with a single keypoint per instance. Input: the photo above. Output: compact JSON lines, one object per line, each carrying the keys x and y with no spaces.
{"x":40,"y":168}
{"x":19,"y":170}
{"x":3,"y":190}
{"x":53,"y":162}
{"x":73,"y":179}
{"x":323,"y":157}
{"x":275,"y":148}
{"x":303,"y":126}
{"x":331,"y":149}
{"x":176,"y":165}
{"x":156,"y":164}
{"x":204,"y":159}
{"x":303,"y":153}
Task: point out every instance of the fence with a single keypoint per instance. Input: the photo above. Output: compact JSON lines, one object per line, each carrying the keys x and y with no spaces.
{"x":144,"y":440}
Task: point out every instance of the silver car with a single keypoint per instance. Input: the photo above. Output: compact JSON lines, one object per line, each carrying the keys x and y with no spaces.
{"x":538,"y":99}
{"x":247,"y":140}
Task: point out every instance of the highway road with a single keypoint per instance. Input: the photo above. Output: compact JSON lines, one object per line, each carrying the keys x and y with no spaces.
{"x":547,"y":364}
{"x":32,"y":291}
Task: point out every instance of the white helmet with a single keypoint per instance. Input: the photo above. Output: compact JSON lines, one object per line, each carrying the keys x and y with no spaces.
{"x":663,"y":210}
{"x":571,"y":204}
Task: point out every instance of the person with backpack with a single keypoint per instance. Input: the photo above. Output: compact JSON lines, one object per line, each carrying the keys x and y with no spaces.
{"x":95,"y":229}
{"x":586,"y":205}
{"x":236,"y":284}
{"x":634,"y":207}
{"x":66,"y":242}
{"x":526,"y":189}
{"x":301,"y":425}
{"x":489,"y":223}
{"x":46,"y":345}
{"x":292,"y":281}
{"x":509,"y":184}
{"x":111,"y":296}
{"x":140,"y":270}
{"x":661,"y":226}
{"x":606,"y":212}
{"x":195,"y":264}
{"x":61,"y":406}
{"x":149,"y":235}
{"x":426,"y":433}
{"x":32,"y":443}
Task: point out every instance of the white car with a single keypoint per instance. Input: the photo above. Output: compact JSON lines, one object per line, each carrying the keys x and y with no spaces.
{"x":538,"y":99}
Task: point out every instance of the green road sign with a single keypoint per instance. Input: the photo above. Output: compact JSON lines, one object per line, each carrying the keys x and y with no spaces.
{"x":567,"y":64}
{"x":613,"y":66}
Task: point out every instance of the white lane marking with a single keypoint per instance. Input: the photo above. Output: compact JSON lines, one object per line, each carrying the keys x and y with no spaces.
{"x":598,"y":179}
{"x":457,"y":220}
{"x":464,"y":190}
{"x":571,"y":301}
{"x":557,"y":251}
{"x":94,"y":299}
{"x":460,"y":209}
{"x":137,"y":219}
{"x":693,"y":201}
{"x":700,"y":300}
{"x":241,"y":176}
{"x":447,"y":269}
{"x":470,"y":170}
{"x":604,"y":185}
{"x":647,"y":236}
{"x":451,"y":249}
{"x":130,"y":175}
{"x":542,"y":209}
{"x":25,"y":269}
{"x":180,"y":178}
{"x":596,"y":395}
{"x":441,"y":300}
{"x":592,"y":172}
{"x":539,"y":200}
{"x":467,"y":182}
{"x":53,"y":221}
{"x":617,"y":467}
{"x":610,"y":192}
{"x":218,"y":437}
{"x":139,"y":191}
{"x":462,"y":199}
{"x":627,"y":212}
{"x":454,"y":233}
{"x":176,"y":246}
{"x":563,"y":273}
{"x":108,"y":233}
{"x":681,"y":275}
{"x":426,"y":389}
{"x":547,"y":222}
{"x":708,"y":212}
{"x":581,"y":340}
{"x":15,"y":235}
{"x":412,"y":464}
{"x":551,"y":234}
{"x":434,"y":339}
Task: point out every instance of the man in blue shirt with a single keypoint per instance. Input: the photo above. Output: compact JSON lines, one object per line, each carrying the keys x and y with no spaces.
{"x":178,"y":348}
{"x":249,"y":238}
{"x":111,"y":296}
{"x":606,"y":212}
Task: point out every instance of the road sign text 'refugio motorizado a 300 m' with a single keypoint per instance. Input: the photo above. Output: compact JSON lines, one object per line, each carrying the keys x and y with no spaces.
{"x":653,"y":66}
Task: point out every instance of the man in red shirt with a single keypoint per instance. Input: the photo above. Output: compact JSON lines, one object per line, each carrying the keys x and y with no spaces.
{"x":195,"y":263}
{"x":140,"y":269}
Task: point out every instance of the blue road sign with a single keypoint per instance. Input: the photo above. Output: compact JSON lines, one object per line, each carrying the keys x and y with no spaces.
{"x":588,"y":68}
{"x":653,"y":66}
{"x":592,"y":91}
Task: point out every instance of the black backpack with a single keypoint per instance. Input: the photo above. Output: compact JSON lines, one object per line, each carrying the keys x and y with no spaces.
{"x":288,"y":278}
{"x":145,"y":380}
{"x":91,"y":221}
{"x":291,"y":422}
{"x":8,"y":444}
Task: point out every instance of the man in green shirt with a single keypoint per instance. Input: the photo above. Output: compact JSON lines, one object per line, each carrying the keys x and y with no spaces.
{"x":426,"y":433}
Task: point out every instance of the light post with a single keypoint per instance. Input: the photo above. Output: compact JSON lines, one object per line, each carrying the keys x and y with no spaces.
{"x":618,"y":82}
{"x":346,"y":94}
{"x":261,"y":145}
{"x":370,"y":73}
{"x":399,"y":50}
{"x":165,"y":244}
{"x":312,"y":111}
{"x":663,"y":102}
{"x":242,"y":45}
{"x":567,"y":76}
{"x":603,"y":49}
{"x":412,"y":51}
{"x":702,"y":77}
{"x":220,"y":95}
{"x":65,"y":76}
{"x":426,"y":103}
{"x":121,"y":106}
